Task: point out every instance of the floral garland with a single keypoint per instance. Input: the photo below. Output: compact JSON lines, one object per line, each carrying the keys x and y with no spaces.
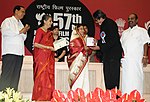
{"x":98,"y":95}
{"x":10,"y":95}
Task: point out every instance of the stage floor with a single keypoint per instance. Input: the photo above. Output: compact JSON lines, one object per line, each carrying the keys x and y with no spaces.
{"x":61,"y":74}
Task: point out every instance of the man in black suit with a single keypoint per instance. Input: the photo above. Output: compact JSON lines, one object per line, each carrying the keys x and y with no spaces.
{"x":111,"y":48}
{"x":149,"y":31}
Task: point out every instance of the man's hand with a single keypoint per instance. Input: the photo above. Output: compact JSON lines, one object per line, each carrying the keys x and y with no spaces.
{"x":25,"y":29}
{"x":145,"y":61}
{"x":95,"y":47}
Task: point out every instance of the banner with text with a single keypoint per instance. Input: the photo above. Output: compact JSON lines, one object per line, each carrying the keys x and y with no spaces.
{"x":66,"y":14}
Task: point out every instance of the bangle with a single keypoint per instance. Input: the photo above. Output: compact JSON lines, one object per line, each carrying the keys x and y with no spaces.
{"x":145,"y":56}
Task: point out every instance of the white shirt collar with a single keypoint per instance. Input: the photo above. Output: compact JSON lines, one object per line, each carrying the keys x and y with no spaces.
{"x":133,"y":27}
{"x":15,"y":19}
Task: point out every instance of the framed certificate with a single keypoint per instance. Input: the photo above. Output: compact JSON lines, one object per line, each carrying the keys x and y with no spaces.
{"x":60,"y":43}
{"x":90,"y":41}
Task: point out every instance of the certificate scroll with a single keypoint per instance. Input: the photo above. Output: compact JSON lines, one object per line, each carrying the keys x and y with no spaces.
{"x":60,"y":43}
{"x":90,"y":41}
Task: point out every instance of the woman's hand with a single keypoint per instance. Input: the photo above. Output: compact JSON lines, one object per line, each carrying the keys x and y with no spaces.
{"x":56,"y":59}
{"x":50,"y":48}
{"x":86,"y":48}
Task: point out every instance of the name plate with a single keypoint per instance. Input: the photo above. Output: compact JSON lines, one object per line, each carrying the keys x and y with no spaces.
{"x":60,"y":43}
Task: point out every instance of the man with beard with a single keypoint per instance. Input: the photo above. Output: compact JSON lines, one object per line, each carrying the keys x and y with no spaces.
{"x":134,"y":41}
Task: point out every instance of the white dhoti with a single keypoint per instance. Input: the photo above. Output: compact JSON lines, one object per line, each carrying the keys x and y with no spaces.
{"x":132,"y":76}
{"x":133,"y":41}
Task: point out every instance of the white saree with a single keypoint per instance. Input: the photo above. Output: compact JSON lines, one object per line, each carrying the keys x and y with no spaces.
{"x":83,"y":79}
{"x":78,"y":64}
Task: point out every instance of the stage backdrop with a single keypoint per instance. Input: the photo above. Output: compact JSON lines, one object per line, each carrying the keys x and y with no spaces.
{"x":67,"y":13}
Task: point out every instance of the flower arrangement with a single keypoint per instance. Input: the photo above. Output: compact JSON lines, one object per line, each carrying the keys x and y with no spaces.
{"x":98,"y":95}
{"x":10,"y":95}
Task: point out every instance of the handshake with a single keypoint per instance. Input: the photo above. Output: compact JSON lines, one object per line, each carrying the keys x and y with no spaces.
{"x":25,"y":29}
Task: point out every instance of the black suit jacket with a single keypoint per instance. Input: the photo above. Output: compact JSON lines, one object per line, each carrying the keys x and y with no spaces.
{"x":110,"y":40}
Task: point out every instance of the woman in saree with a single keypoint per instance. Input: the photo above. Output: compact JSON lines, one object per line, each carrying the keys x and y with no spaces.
{"x":43,"y":57}
{"x":78,"y":60}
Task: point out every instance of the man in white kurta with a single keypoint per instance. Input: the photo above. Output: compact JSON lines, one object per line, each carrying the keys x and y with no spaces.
{"x":13,"y":37}
{"x":134,"y":42}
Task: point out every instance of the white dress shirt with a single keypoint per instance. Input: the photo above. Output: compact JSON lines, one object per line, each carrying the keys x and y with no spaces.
{"x":12,"y":41}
